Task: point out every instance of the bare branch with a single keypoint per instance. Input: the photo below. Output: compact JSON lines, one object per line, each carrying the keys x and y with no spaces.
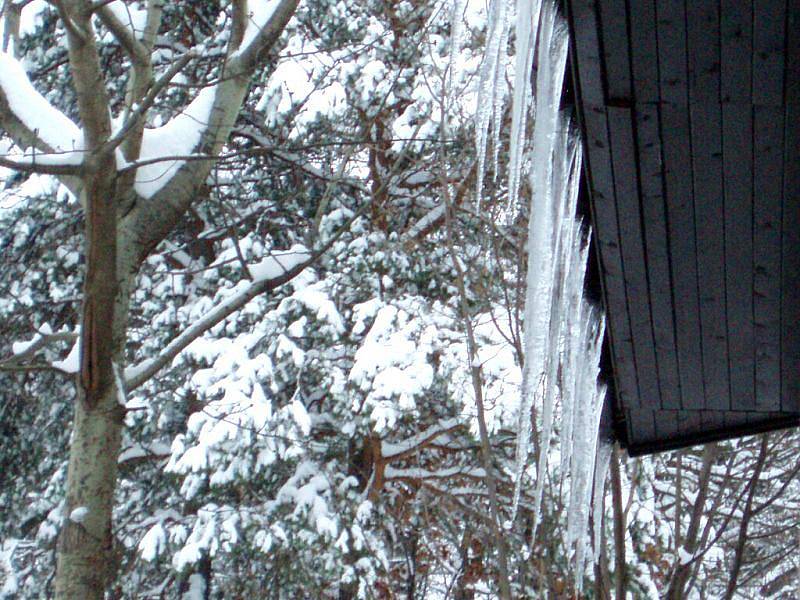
{"x":124,"y":35}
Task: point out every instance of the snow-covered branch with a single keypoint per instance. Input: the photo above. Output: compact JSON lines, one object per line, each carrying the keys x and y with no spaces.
{"x":30,"y":120}
{"x":267,"y":275}
{"x":43,"y":163}
{"x":23,"y":352}
{"x":265,"y":23}
{"x":445,"y":473}
{"x":138,"y":112}
{"x":397,"y":451}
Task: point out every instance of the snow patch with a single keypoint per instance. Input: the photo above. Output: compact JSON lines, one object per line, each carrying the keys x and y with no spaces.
{"x":178,"y":138}
{"x":153,"y":543}
{"x":279,"y":262}
{"x":260,"y":12}
{"x":70,"y":364}
{"x":130,"y":16}
{"x":79,"y":514}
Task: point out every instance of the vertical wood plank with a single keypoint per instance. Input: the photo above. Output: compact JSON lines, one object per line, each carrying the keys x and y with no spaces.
{"x":642,"y":425}
{"x":644,"y":50}
{"x":657,"y":253}
{"x":586,"y":43}
{"x":790,"y":253}
{"x":736,"y":29}
{"x":767,"y":206}
{"x":683,"y":258}
{"x":769,"y":37}
{"x":671,"y":32}
{"x":623,"y":152}
{"x":600,"y":178}
{"x":674,"y":126}
{"x":710,"y":226}
{"x":667,"y":426}
{"x":703,"y":50}
{"x":737,"y":160}
{"x":613,"y":22}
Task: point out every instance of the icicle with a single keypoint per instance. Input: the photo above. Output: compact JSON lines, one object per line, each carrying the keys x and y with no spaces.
{"x":602,"y":462}
{"x":456,"y":33}
{"x":585,"y":447}
{"x":553,"y":187}
{"x":563,"y":334}
{"x":526,"y":29}
{"x":563,"y":154}
{"x":498,"y":101}
{"x":498,"y":27}
{"x":574,"y":338}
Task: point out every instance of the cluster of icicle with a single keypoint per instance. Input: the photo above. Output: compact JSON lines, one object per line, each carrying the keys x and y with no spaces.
{"x":562,"y":332}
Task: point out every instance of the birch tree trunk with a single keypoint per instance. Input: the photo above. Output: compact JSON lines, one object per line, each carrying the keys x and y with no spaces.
{"x":86,"y":558}
{"x":85,"y":546}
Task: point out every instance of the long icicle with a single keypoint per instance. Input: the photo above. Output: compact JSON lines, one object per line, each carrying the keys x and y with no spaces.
{"x":498,"y":25}
{"x":526,"y":29}
{"x":542,"y":231}
{"x":562,"y":335}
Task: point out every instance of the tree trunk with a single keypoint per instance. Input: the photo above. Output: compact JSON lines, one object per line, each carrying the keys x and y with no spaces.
{"x":86,"y":560}
{"x":85,"y":549}
{"x":620,"y":562}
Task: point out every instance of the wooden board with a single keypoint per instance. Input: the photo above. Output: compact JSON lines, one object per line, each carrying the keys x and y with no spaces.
{"x":709,"y":215}
{"x":657,"y":253}
{"x":683,"y":255}
{"x":601,"y":187}
{"x":703,"y":50}
{"x":790,"y":230}
{"x":737,"y":161}
{"x":736,"y":47}
{"x":671,"y":32}
{"x":615,"y":52}
{"x":769,"y":17}
{"x":644,"y":51}
{"x":767,"y":206}
{"x":623,"y":152}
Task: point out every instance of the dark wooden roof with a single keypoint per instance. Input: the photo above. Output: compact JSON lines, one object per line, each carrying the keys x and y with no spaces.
{"x":689,"y":110}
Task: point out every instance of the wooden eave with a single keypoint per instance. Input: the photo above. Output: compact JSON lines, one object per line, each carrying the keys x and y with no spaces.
{"x":689,"y":112}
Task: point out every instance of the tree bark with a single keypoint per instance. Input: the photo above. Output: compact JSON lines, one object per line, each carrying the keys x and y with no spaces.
{"x":85,"y":548}
{"x":86,"y":556}
{"x":620,"y":566}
